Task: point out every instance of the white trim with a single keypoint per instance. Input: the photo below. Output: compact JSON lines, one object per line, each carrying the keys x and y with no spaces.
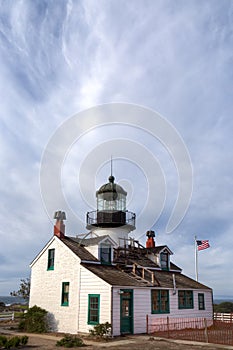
{"x":42,"y":251}
{"x":48,"y":244}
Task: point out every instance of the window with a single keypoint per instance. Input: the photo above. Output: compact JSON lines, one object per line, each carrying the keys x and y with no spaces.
{"x":105,"y":254}
{"x":164,"y":261}
{"x":93,"y":308}
{"x":51,"y":255}
{"x":201,"y":301}
{"x":65,"y":294}
{"x":185,"y":299}
{"x":159,"y":301}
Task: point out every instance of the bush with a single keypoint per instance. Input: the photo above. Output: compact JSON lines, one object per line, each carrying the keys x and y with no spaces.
{"x":101,"y":330}
{"x":3,"y":340}
{"x":34,"y":321}
{"x":70,"y":341}
{"x":24,"y":340}
{"x":13,"y":342}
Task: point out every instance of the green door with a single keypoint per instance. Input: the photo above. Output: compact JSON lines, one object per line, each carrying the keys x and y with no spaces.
{"x":126,"y":311}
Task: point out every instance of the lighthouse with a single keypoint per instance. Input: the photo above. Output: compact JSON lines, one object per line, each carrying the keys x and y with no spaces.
{"x":111,"y":217}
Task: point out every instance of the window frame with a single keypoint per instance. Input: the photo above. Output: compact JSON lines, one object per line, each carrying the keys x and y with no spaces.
{"x":51,"y":259}
{"x":89,"y":318}
{"x":186,"y":295}
{"x":109,"y":253}
{"x":163,"y":262}
{"x":65,"y":294}
{"x":159,"y":310}
{"x":201,"y":303}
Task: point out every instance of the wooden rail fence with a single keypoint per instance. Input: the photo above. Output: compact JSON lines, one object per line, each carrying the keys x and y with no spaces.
{"x":224,"y":317}
{"x":5,"y":316}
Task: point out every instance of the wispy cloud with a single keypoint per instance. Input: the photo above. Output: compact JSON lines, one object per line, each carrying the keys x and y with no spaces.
{"x":58,"y":58}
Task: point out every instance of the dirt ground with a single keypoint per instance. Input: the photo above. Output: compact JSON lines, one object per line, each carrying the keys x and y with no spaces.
{"x":129,"y":343}
{"x":145,"y":342}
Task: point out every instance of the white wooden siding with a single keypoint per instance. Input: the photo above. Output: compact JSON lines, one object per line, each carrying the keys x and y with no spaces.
{"x":91,"y":284}
{"x":46,"y":290}
{"x":46,"y":287}
{"x":142,"y":307}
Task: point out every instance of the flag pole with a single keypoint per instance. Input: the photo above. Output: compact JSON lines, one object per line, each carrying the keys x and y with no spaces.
{"x":196,"y":258}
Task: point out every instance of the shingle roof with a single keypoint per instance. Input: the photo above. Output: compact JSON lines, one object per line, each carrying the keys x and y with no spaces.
{"x":79,"y":250}
{"x":116,"y":276}
{"x":158,"y":249}
{"x":89,"y":241}
{"x":174,"y":267}
{"x":163,"y":279}
{"x":112,"y":275}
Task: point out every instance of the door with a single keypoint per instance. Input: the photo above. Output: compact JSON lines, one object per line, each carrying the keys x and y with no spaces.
{"x":126,"y":311}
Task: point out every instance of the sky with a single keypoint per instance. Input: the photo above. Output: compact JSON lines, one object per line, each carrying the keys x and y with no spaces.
{"x":170,"y":59}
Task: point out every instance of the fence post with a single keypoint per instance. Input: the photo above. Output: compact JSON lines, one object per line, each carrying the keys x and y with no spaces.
{"x":206,"y":331}
{"x":13,"y":316}
{"x":147,"y":324}
{"x":168,"y":335}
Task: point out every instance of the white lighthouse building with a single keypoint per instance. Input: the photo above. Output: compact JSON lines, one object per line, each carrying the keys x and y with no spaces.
{"x":104,"y":275}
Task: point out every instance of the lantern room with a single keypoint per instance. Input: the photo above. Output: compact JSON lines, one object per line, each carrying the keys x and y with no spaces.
{"x":111,"y":207}
{"x":111,"y":197}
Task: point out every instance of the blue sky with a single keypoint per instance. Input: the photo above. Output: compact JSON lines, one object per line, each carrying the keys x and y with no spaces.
{"x":59,"y":58}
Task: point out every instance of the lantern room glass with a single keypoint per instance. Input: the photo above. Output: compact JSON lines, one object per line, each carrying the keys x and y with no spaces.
{"x":109,"y":201}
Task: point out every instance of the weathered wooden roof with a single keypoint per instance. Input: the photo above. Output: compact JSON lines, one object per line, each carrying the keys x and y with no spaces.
{"x":112,"y":275}
{"x":78,"y":249}
{"x":163,"y":279}
{"x":159,"y":249}
{"x":90,"y":241}
{"x":122,"y":275}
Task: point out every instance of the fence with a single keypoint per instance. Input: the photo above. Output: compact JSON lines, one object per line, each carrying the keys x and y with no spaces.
{"x":225,"y":317}
{"x":5,"y":316}
{"x":193,"y":329}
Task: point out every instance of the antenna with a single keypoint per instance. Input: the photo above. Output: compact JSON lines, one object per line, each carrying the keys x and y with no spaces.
{"x":111,"y":165}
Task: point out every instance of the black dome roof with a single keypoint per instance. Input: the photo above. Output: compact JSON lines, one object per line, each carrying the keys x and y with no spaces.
{"x":111,"y":187}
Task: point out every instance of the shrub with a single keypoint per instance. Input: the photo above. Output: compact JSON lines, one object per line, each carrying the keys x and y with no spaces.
{"x":14,"y":342}
{"x":3,"y":340}
{"x":34,"y":321}
{"x":24,"y":340}
{"x":101,"y":330}
{"x":70,"y":341}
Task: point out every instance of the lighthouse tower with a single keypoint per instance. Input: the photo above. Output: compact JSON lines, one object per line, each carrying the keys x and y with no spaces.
{"x":111,"y":217}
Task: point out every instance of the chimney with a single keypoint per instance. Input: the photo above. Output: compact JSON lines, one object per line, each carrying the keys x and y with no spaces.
{"x":150,"y":243}
{"x":59,"y":227}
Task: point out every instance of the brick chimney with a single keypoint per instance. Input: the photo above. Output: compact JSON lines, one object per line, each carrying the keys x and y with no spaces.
{"x":150,"y":243}
{"x":59,"y":227}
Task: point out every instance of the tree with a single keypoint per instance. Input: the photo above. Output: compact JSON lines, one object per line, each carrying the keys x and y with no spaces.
{"x":225,"y":306}
{"x":24,"y":289}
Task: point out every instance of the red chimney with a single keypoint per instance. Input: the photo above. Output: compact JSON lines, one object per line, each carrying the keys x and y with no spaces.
{"x":150,"y":243}
{"x":59,"y":227}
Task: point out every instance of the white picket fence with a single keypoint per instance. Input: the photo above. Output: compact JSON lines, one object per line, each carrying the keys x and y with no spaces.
{"x":5,"y":316}
{"x":224,"y":317}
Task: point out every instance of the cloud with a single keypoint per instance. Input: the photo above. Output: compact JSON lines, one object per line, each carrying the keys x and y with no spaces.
{"x":60,"y":58}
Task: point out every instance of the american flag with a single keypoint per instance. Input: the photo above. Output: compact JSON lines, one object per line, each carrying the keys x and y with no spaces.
{"x":202,"y":244}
